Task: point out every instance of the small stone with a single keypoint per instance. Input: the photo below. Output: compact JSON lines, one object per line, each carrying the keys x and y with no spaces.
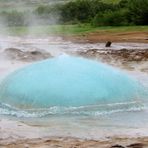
{"x":108,"y":44}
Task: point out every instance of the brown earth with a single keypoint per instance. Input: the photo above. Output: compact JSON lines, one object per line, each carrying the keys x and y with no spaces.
{"x":134,"y":36}
{"x":79,"y":143}
{"x":124,"y":58}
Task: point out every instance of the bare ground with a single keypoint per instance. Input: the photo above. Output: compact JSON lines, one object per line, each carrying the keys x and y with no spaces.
{"x":79,"y":143}
{"x":97,"y":37}
{"x":125,"y":57}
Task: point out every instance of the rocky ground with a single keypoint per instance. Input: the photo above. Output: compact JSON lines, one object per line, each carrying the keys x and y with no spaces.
{"x":124,"y":58}
{"x":79,"y":143}
{"x":129,"y":59}
{"x":27,"y":56}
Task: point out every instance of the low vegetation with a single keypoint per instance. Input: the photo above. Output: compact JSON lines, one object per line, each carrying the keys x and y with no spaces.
{"x":94,"y":12}
{"x":80,"y":29}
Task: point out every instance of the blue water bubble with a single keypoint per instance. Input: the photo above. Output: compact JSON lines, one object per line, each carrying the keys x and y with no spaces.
{"x":68,"y":81}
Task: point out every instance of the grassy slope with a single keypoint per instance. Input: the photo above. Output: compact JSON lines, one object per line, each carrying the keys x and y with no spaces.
{"x":58,"y":29}
{"x":20,"y":5}
{"x":68,"y":29}
{"x":29,"y":5}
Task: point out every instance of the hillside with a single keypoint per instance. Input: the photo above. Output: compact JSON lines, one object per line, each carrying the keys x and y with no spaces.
{"x":8,"y":5}
{"x":22,"y":5}
{"x":94,"y":12}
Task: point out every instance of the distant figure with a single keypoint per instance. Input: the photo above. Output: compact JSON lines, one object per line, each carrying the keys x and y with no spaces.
{"x":108,"y":44}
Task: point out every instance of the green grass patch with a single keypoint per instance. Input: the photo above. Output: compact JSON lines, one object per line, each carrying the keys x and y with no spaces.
{"x":68,"y":29}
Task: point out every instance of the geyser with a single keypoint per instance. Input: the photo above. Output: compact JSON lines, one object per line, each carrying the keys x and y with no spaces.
{"x":67,"y":81}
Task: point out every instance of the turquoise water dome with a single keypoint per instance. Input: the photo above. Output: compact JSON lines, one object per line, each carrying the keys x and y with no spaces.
{"x":67,"y":81}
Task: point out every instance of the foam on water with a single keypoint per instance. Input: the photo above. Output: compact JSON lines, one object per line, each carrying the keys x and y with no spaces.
{"x":68,"y":84}
{"x":92,"y":110}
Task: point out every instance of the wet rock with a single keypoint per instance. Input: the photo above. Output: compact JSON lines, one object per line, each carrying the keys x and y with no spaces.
{"x":108,"y":44}
{"x":136,"y":145}
{"x":18,"y":54}
{"x":123,"y":55}
{"x":35,"y":52}
{"x":117,"y":146}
